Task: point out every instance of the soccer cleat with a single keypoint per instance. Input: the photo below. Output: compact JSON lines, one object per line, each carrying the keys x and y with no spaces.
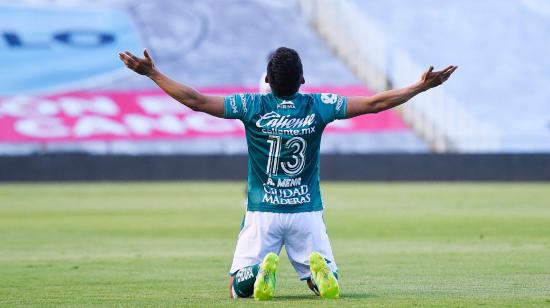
{"x":323,"y":277}
{"x":264,"y":287}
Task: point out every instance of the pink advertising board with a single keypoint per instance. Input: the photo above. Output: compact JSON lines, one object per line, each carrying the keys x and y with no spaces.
{"x":143,"y":115}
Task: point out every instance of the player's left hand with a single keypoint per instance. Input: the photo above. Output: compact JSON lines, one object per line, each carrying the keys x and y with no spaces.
{"x":431,"y":79}
{"x":143,"y":66}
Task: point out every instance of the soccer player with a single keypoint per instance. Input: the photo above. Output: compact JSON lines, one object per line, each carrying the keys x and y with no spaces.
{"x":283,"y":133}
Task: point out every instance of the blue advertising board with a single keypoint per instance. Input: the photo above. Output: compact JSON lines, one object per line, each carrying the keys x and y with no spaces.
{"x":46,"y":49}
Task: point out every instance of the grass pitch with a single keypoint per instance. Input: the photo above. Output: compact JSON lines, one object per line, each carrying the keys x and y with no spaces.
{"x":171,"y":244}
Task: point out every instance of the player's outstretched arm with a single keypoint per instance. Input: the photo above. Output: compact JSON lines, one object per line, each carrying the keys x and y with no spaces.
{"x":359,"y":105}
{"x":184,"y":94}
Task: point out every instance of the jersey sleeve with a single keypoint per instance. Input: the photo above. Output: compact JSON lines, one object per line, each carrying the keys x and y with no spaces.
{"x":331,"y":106}
{"x":239,"y":106}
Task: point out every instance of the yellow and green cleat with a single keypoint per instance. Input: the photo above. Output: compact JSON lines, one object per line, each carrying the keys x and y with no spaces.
{"x":264,"y":287}
{"x":323,"y":277}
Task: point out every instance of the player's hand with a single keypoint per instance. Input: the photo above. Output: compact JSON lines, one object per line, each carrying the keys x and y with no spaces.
{"x":144,"y":66}
{"x":431,"y":79}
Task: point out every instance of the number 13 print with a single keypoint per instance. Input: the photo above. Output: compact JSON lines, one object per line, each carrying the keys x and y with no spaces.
{"x":292,"y":168}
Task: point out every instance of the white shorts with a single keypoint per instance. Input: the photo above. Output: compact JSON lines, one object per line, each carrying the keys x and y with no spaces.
{"x":265,"y":232}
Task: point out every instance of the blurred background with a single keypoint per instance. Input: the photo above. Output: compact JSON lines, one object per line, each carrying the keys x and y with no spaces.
{"x":64,"y":92}
{"x":112,"y":232}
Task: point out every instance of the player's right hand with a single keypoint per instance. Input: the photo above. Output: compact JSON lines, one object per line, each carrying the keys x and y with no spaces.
{"x":141,"y":66}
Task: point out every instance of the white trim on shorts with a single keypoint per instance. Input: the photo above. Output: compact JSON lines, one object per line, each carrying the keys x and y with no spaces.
{"x":301,"y":234}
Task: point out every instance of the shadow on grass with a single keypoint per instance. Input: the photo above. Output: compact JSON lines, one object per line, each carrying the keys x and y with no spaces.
{"x":313,"y":297}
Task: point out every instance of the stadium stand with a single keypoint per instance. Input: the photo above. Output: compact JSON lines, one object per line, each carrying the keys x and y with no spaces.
{"x":83,"y":99}
{"x":501,"y":48}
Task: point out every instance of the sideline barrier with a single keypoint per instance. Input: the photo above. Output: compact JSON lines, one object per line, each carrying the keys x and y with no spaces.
{"x":374,"y":167}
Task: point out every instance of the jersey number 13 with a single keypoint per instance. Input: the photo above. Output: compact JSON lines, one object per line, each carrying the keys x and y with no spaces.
{"x":293,"y":167}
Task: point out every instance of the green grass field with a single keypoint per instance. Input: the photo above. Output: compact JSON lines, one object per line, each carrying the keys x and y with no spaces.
{"x":171,"y":244}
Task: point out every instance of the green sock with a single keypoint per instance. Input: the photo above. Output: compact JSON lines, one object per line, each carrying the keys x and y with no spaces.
{"x":243,"y":282}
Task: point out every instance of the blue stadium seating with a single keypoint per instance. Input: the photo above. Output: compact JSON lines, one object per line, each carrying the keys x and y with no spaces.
{"x":501,"y":47}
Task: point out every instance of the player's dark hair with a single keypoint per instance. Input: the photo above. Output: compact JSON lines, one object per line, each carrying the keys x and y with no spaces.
{"x":284,"y":71}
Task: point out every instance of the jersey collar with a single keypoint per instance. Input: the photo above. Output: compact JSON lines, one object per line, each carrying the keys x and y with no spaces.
{"x":287,"y":98}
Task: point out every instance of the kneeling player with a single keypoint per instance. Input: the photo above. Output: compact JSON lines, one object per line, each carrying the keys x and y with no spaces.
{"x":283,"y":132}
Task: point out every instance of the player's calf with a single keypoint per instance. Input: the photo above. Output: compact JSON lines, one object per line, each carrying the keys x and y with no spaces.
{"x":242,"y":282}
{"x":258,"y":279}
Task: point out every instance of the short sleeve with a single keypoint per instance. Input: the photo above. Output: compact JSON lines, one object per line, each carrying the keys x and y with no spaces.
{"x":331,"y":106}
{"x":238,"y":106}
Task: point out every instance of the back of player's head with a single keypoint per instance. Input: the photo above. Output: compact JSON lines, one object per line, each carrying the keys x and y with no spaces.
{"x":284,"y":72}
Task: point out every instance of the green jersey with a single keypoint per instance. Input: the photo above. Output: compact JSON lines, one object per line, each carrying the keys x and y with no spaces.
{"x":283,"y":135}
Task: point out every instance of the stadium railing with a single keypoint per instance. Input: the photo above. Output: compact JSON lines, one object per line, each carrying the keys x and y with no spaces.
{"x":437,"y":116}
